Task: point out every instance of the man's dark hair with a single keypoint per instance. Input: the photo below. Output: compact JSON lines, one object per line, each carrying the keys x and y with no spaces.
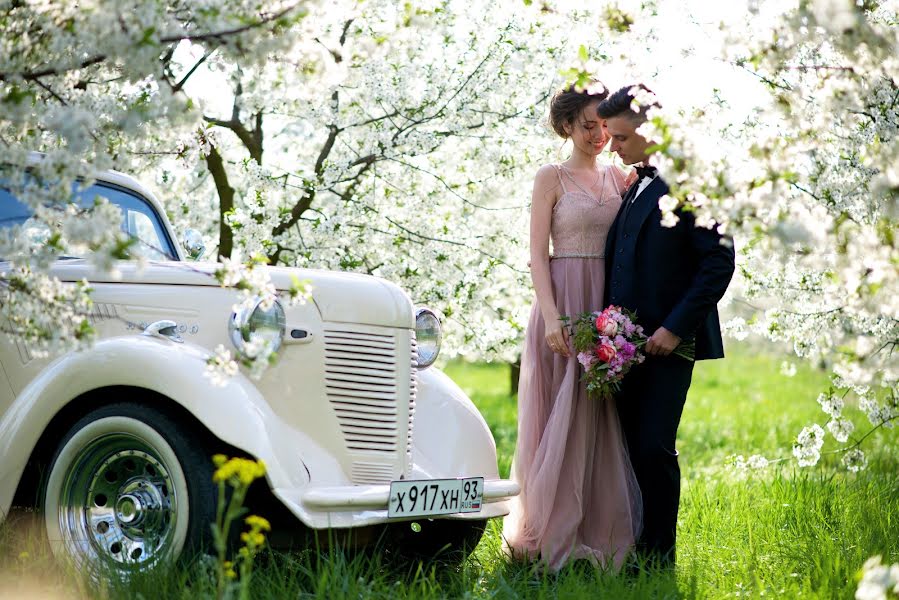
{"x":619,"y":103}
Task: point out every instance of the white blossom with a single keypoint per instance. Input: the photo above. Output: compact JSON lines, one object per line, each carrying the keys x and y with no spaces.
{"x":739,"y":463}
{"x":220,"y":367}
{"x":736,"y":328}
{"x":878,"y":581}
{"x":855,"y":460}
{"x":840,"y":428}
{"x":830,"y":404}
{"x":757,"y":461}
{"x":788,"y":368}
{"x":807,"y":448}
{"x":880,"y":414}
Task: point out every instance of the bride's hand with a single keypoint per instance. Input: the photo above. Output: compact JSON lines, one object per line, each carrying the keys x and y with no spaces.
{"x":557,"y":338}
{"x":630,"y":179}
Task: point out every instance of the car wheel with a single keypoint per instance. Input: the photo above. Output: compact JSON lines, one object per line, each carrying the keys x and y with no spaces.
{"x":442,"y":539}
{"x":128,"y":488}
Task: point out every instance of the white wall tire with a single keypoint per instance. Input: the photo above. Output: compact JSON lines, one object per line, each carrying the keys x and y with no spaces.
{"x":127,"y":489}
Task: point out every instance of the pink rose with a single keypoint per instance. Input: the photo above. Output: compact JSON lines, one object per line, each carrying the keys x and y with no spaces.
{"x":605,"y":352}
{"x":606,"y":326}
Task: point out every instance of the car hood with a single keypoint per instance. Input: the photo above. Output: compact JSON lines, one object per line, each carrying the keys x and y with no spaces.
{"x":339,"y":297}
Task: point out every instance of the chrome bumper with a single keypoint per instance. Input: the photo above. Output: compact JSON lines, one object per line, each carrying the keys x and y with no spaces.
{"x":358,"y":505}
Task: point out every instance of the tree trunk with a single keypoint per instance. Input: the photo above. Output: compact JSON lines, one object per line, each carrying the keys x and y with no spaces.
{"x":226,"y":200}
{"x":514,"y":374}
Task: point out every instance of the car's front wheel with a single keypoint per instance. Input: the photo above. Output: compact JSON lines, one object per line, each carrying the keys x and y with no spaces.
{"x":127,"y":488}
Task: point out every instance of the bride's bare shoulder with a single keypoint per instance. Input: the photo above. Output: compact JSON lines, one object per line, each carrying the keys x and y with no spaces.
{"x":547,"y":176}
{"x":548,"y":170}
{"x":546,"y":185}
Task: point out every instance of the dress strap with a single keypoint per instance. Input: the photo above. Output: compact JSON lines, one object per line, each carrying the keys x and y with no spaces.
{"x":618,"y":180}
{"x":561,"y":181}
{"x":602,"y":186}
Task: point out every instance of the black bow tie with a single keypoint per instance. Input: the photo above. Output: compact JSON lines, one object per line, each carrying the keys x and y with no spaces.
{"x":645,"y":172}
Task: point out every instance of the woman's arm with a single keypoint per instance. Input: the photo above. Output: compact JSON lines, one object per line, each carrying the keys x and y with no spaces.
{"x":543,"y":200}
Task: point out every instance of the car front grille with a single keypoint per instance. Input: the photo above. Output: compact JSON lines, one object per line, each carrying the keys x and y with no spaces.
{"x":413,"y":388}
{"x":372,"y":394}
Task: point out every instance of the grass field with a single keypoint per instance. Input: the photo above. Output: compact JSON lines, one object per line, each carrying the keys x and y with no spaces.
{"x":781,"y":532}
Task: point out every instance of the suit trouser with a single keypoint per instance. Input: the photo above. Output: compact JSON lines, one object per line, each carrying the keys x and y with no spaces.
{"x":650,"y":404}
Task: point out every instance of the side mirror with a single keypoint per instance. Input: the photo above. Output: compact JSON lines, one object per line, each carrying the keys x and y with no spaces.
{"x":193,"y":244}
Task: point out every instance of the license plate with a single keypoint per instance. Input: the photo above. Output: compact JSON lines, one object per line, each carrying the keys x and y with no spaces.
{"x":435,"y":497}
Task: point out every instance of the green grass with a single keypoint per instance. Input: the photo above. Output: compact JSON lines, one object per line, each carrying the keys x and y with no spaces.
{"x":782,"y":532}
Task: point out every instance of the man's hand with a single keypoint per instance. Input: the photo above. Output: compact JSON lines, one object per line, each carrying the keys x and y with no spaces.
{"x":661,"y":343}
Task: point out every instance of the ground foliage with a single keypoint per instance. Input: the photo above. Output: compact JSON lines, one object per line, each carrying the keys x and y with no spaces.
{"x":776,"y":532}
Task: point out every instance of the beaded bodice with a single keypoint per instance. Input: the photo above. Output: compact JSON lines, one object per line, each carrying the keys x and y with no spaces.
{"x":580,"y":219}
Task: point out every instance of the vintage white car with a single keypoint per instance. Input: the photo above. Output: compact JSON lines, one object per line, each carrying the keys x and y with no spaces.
{"x":113,"y":444}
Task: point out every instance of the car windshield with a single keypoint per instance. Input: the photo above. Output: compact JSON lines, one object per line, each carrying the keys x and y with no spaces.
{"x":139,"y":219}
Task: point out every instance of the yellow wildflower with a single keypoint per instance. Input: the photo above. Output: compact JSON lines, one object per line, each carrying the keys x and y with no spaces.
{"x":258,"y":523}
{"x":237,"y":471}
{"x":230,"y":573}
{"x":252,"y":539}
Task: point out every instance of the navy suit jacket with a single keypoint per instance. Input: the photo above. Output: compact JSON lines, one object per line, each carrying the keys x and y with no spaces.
{"x":670,"y":276}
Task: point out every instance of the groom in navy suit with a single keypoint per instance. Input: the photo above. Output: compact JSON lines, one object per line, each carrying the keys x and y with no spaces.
{"x":672,"y":277}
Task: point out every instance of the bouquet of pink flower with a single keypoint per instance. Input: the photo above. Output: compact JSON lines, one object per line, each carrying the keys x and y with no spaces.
{"x":608,"y":344}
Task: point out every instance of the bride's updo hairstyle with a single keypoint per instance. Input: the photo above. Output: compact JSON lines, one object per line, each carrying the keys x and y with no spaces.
{"x":568,"y":103}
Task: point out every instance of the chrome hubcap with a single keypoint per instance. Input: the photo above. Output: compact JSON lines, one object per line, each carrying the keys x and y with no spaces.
{"x":118,"y":503}
{"x":140,"y":506}
{"x":129,"y":510}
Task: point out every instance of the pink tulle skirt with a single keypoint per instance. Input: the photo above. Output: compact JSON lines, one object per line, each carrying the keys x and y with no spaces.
{"x":579,"y":498}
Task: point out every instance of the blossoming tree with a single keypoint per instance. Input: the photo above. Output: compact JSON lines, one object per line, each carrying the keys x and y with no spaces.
{"x":399,"y":140}
{"x":360,"y":136}
{"x":84,"y":83}
{"x":398,"y":144}
{"x":829,"y":204}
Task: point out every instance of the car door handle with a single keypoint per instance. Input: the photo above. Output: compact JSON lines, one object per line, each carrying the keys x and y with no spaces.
{"x":164,"y":329}
{"x":298,"y":336}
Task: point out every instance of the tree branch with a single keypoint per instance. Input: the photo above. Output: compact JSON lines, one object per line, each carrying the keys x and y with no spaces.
{"x":178,"y":86}
{"x":306,"y":201}
{"x":219,"y":36}
{"x":50,"y":91}
{"x":34,"y":75}
{"x":250,"y":138}
{"x":449,"y":188}
{"x":225,"y":33}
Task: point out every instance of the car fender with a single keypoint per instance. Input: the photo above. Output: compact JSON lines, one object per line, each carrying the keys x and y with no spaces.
{"x":451,"y":438}
{"x":236,"y":413}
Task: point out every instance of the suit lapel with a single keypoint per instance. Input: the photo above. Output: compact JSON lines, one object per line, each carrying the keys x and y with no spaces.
{"x":613,"y":230}
{"x":647,"y":201}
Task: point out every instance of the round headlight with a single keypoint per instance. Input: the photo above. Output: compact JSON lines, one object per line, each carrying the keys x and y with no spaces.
{"x":256,"y":326}
{"x":428,"y":336}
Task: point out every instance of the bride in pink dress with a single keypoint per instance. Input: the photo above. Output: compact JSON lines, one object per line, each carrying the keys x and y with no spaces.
{"x":579,"y":498}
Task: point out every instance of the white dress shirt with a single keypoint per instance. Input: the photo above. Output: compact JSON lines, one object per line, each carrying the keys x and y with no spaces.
{"x":644,"y":183}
